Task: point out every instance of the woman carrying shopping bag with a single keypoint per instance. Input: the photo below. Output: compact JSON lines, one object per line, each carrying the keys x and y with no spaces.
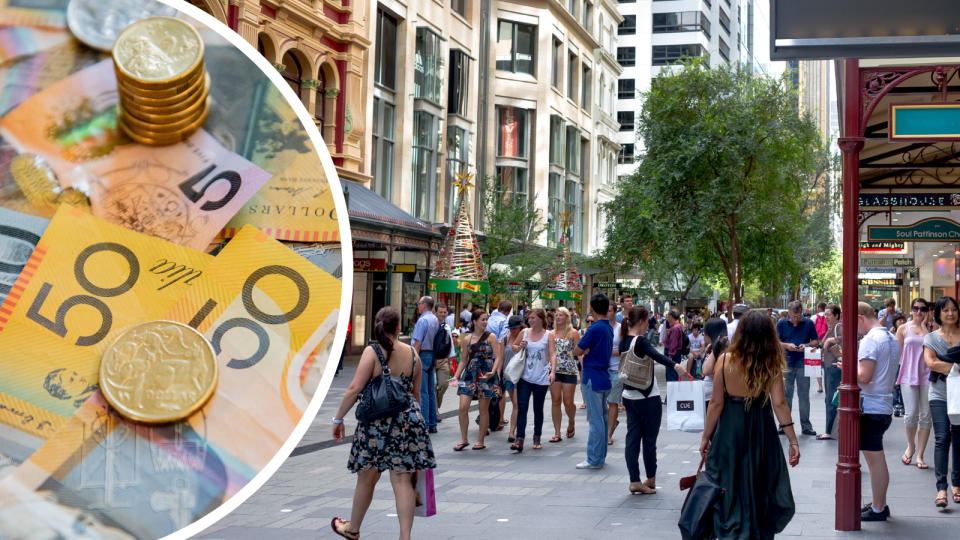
{"x":644,"y":409}
{"x":398,"y":443}
{"x":538,"y":374}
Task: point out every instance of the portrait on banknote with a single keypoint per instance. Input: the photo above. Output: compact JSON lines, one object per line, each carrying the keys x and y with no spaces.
{"x":170,"y":267}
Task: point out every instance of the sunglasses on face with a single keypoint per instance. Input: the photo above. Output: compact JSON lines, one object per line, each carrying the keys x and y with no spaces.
{"x":921,"y":309}
{"x":589,"y":321}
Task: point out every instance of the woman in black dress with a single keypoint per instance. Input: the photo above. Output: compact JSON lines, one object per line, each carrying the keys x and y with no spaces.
{"x":740,"y":440}
{"x":399,"y":444}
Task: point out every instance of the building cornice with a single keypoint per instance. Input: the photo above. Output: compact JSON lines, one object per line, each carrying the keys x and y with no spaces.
{"x":573,"y":25}
{"x":612,"y":7}
{"x":611,"y":62}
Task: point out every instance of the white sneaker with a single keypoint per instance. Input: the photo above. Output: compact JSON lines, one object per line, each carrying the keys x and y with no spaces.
{"x":587,"y":465}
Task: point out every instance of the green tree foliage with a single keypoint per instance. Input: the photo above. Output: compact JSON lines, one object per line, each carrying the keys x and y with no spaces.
{"x":727,"y":182}
{"x":826,"y":277}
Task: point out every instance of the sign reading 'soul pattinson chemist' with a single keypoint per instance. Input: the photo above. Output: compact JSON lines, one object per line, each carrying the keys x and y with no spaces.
{"x":928,"y":230}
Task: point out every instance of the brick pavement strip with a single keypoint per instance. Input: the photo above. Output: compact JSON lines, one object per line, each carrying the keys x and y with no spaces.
{"x":539,"y":493}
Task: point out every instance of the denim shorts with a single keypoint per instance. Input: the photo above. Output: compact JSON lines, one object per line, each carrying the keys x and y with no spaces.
{"x":508,"y":386}
{"x":616,"y":392}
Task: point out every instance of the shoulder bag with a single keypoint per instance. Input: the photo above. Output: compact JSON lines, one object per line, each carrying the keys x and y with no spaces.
{"x":384,"y":396}
{"x":696,"y":516}
{"x":514,"y":370}
{"x":836,"y":350}
{"x":634,"y":371}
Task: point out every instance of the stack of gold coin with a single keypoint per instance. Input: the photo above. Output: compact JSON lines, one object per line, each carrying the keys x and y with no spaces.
{"x":163,"y":85}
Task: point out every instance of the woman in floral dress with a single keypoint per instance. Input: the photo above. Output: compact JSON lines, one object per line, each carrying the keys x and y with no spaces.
{"x":399,"y":444}
{"x":477,"y":376}
{"x":564,"y":386}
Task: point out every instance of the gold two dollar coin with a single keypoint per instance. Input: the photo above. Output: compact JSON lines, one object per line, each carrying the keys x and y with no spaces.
{"x":158,"y":372}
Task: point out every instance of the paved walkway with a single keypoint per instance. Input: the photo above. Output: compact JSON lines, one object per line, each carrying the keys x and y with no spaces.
{"x":495,"y":493}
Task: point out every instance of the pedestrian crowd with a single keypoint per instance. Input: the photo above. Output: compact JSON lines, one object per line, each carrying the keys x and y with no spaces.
{"x":751,"y":365}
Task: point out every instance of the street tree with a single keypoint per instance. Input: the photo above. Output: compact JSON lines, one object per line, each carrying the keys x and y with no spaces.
{"x":728,"y":171}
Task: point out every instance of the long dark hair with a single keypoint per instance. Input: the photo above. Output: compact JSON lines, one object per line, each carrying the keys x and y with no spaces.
{"x":756,"y":348}
{"x":475,"y":316}
{"x":715,"y":328}
{"x":633,"y":317}
{"x":387,"y":324}
{"x":942,"y":303}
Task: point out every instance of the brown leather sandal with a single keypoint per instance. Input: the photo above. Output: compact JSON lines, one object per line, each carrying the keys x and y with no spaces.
{"x":536,"y":444}
{"x":349,"y":535}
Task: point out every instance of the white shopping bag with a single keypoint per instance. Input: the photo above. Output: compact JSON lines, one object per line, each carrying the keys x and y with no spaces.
{"x":685,"y":409}
{"x":953,"y":395}
{"x":812,"y":362}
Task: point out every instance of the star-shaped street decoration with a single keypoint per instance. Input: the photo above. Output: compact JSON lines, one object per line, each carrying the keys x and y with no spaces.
{"x":566,"y":219}
{"x":463,"y":182}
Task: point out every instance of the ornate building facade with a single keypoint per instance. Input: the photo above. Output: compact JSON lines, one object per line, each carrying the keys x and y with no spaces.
{"x":319,"y":46}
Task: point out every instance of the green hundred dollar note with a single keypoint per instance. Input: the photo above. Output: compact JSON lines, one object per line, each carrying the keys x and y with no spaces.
{"x":265,"y":309}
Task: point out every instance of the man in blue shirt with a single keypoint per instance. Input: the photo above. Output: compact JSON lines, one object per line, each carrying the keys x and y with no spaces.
{"x":626,"y":302}
{"x":423,"y":333}
{"x":797,"y":333}
{"x":597,"y":346}
{"x":497,"y":323}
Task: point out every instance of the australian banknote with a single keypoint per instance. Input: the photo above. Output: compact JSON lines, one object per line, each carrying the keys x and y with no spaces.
{"x":184,"y":193}
{"x":19,"y":236}
{"x":266,"y":311}
{"x":84,"y":282}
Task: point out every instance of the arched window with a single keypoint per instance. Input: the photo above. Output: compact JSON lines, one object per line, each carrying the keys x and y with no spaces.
{"x":321,"y":99}
{"x":292,"y":72}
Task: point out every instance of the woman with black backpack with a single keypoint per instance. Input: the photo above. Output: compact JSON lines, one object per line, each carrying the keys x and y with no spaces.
{"x":398,"y":442}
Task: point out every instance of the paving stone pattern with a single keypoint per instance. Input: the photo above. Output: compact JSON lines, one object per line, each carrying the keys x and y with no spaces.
{"x":498,"y":494}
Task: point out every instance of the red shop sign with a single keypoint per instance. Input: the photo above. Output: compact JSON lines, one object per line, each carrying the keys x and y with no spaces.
{"x":369,"y":265}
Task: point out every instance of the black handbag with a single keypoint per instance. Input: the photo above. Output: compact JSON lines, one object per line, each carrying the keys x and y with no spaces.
{"x":696,"y":516}
{"x":384,"y":396}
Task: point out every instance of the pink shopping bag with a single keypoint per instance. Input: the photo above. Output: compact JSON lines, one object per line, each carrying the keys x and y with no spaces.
{"x":426,"y":497}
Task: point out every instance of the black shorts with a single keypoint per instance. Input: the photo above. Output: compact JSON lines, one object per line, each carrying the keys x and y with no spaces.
{"x":872,"y":428}
{"x":565,"y":378}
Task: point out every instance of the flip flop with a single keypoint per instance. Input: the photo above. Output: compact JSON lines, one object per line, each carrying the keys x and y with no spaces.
{"x":906,"y":460}
{"x":824,"y":437}
{"x":571,"y":432}
{"x":460,"y":447}
{"x":481,"y":447}
{"x":584,"y":406}
{"x":349,"y":535}
{"x":556,"y":438}
{"x":922,"y":465}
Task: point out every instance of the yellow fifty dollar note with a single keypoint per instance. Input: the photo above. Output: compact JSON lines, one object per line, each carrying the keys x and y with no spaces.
{"x":85,"y":281}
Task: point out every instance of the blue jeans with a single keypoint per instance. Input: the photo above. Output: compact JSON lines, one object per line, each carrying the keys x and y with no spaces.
{"x":596,"y":402}
{"x":428,"y":389}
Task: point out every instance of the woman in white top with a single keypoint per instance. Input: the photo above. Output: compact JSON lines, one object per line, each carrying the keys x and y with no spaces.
{"x":541,"y":368}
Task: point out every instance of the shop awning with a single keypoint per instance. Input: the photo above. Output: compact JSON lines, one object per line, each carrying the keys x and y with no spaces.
{"x":375,"y":220}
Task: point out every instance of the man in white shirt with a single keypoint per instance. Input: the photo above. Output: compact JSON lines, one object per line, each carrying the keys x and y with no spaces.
{"x":879,"y":355}
{"x":738,"y":311}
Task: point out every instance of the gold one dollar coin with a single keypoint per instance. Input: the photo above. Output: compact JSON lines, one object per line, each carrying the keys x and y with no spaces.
{"x":158,"y":372}
{"x":158,"y":53}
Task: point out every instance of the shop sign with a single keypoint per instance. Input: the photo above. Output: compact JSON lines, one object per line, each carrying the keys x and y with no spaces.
{"x":369,"y":265}
{"x":924,"y":122}
{"x":886,"y":262}
{"x":880,"y":270}
{"x":881,"y":247}
{"x":928,"y":230}
{"x":877,"y":275}
{"x":884,"y":288}
{"x":404,"y":268}
{"x":889,"y":282}
{"x":606,"y":285}
{"x":513,"y":286}
{"x":913,"y":273}
{"x":533,"y":285}
{"x":908,"y":200}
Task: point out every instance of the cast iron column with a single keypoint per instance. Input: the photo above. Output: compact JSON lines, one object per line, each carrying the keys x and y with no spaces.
{"x":848,"y":465}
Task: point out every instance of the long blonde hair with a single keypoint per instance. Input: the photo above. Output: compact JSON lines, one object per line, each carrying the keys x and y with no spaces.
{"x":556,"y":326}
{"x":756,"y":349}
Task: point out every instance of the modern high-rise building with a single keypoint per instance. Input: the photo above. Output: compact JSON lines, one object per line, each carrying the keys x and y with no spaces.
{"x":657,"y":33}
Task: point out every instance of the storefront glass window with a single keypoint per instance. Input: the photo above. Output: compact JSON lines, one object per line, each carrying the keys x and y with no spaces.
{"x":428,"y":66}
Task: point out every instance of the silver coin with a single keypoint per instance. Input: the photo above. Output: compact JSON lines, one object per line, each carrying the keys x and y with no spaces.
{"x":97,"y":23}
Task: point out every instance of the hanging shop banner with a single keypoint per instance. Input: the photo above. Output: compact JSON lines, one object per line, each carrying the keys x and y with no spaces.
{"x":404,"y":268}
{"x":606,"y":285}
{"x":908,"y":200}
{"x":880,"y":270}
{"x":458,"y":286}
{"x":509,"y":132}
{"x":885,"y":288}
{"x":882,"y":247}
{"x":369,"y":265}
{"x":924,"y":122}
{"x":561,"y":295}
{"x":887,"y":262}
{"x":872,"y":282}
{"x":928,"y":230}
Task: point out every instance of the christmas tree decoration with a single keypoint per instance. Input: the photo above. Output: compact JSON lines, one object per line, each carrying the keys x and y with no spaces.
{"x":567,"y":283}
{"x":459,"y":268}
